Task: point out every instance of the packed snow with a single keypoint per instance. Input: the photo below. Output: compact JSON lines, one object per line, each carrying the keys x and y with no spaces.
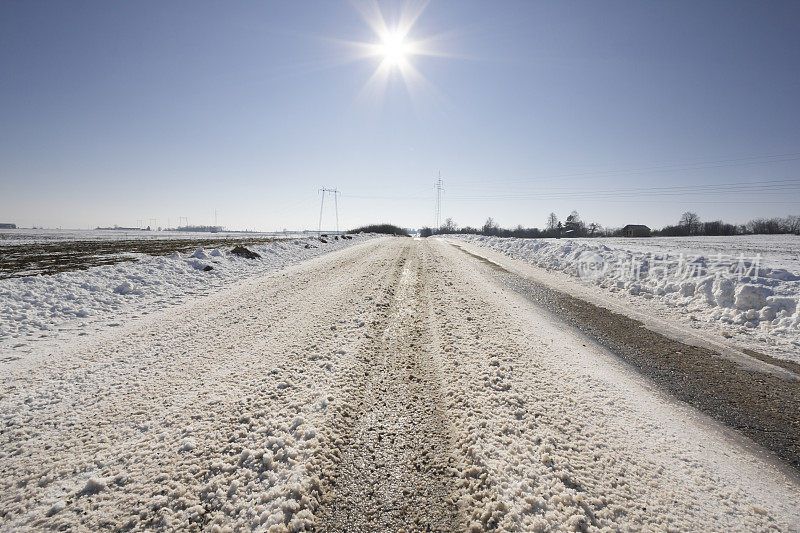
{"x":37,"y":308}
{"x":745,"y":287}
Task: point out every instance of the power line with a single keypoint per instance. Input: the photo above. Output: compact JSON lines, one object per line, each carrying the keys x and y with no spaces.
{"x":621,"y":188}
{"x":754,"y":182}
{"x":668,"y":167}
{"x":370,"y":197}
{"x":763,"y":187}
{"x":770,"y":186}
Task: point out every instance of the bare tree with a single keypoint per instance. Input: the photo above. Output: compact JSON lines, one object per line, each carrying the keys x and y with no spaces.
{"x":690,"y":221}
{"x":552,"y":221}
{"x":449,"y":226}
{"x":490,"y":227}
{"x":768,"y":226}
{"x":792,"y":223}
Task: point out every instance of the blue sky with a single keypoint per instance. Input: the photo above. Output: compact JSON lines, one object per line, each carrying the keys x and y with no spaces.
{"x":629,"y":112}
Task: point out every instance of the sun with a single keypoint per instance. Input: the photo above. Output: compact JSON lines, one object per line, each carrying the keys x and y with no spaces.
{"x":394,"y":49}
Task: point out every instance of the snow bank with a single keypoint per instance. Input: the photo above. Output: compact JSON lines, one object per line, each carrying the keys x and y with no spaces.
{"x":45,"y":305}
{"x":737,"y":293}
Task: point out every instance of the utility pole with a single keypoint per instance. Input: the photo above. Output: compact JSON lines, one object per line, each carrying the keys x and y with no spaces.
{"x":322,"y":205}
{"x":336,"y":207}
{"x":439,"y":190}
{"x":215,"y":218}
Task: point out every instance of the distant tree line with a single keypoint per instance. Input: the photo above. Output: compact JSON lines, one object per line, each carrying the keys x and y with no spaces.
{"x":573,"y":226}
{"x":688,"y":225}
{"x":389,"y":229}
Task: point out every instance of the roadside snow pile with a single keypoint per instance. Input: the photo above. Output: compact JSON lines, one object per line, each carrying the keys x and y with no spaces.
{"x":735,"y":292}
{"x":41,"y":306}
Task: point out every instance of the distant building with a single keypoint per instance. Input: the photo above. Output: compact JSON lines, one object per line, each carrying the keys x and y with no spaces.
{"x":7,"y":225}
{"x":636,"y":230}
{"x":203,"y":229}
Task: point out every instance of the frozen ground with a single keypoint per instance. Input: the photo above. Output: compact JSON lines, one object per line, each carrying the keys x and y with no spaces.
{"x":389,"y":385}
{"x":744,"y":288}
{"x":39,"y":309}
{"x":39,"y":236}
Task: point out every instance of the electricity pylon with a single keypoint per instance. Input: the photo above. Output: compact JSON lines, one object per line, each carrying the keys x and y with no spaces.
{"x":322,"y":204}
{"x":439,"y":190}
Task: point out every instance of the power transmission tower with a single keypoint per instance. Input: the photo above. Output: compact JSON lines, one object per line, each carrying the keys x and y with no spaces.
{"x":336,"y":207}
{"x":322,"y":204}
{"x":439,"y":191}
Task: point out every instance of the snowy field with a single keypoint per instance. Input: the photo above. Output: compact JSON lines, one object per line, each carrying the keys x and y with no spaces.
{"x":776,"y":251}
{"x":743,"y":287}
{"x":39,"y":309}
{"x":38,"y":236}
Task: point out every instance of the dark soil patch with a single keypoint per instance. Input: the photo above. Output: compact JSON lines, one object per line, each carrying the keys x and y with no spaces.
{"x":50,"y":258}
{"x":241,"y":251}
{"x":788,"y":365}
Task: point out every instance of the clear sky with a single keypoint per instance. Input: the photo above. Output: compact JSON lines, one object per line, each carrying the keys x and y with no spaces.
{"x":629,"y":112}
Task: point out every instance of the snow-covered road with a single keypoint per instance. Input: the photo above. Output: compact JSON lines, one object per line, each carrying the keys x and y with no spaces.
{"x":388,"y":385}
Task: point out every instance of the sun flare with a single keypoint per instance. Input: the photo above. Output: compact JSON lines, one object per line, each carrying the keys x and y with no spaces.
{"x":394,"y":49}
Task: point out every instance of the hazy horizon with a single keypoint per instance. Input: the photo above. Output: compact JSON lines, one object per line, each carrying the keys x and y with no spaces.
{"x":111,"y":113}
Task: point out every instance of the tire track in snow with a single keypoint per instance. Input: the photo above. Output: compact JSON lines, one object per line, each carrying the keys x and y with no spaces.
{"x":394,"y":472}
